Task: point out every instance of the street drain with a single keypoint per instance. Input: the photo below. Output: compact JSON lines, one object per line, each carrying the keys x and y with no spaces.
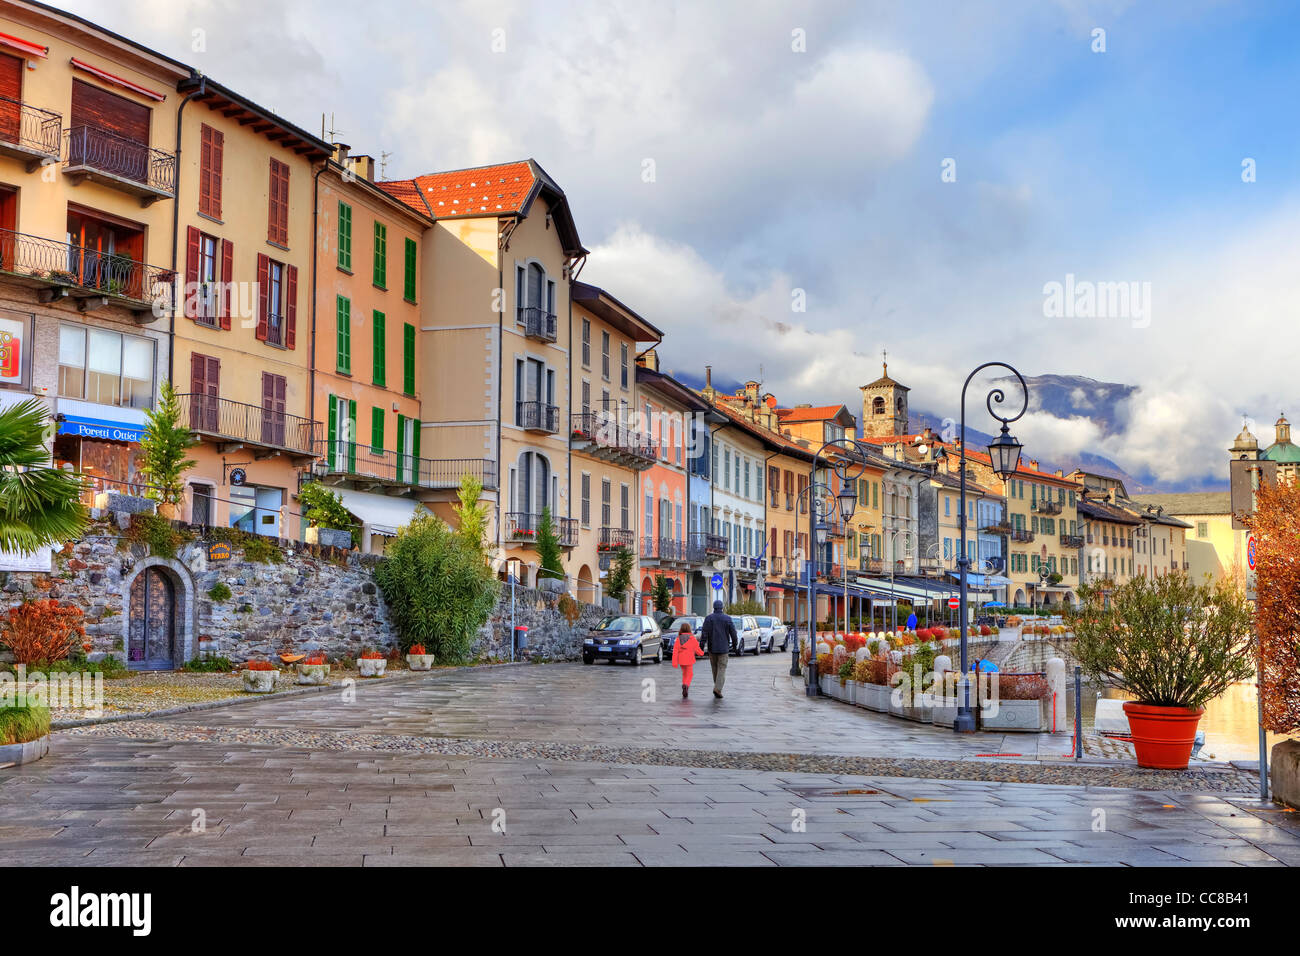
{"x":811,"y":793}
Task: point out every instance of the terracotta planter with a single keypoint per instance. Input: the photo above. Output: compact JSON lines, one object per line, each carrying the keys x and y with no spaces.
{"x":1162,"y":736}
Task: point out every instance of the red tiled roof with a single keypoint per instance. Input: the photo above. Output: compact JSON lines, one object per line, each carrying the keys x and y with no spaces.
{"x":405,"y":191}
{"x":485,"y":190}
{"x":818,"y":413}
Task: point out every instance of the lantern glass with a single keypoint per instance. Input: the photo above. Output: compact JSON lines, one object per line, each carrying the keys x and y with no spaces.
{"x":848,"y":500}
{"x":1004,"y":453}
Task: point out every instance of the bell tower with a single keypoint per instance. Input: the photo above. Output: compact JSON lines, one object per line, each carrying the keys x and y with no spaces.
{"x":884,"y":405}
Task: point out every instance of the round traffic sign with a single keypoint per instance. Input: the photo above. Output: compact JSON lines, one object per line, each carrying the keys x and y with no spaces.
{"x":1250,"y":552}
{"x":954,"y":603}
{"x":716,"y":581}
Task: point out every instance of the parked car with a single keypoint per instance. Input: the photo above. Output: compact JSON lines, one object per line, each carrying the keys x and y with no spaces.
{"x":669,"y":630}
{"x":773,"y":633}
{"x":629,"y":637}
{"x":748,"y":636}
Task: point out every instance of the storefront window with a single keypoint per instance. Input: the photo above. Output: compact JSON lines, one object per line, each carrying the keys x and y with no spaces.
{"x":105,"y":367}
{"x":14,"y":342}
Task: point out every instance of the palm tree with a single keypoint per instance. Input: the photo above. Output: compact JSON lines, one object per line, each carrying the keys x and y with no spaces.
{"x":39,"y":505}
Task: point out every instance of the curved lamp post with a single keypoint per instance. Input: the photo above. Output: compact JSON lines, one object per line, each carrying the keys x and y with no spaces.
{"x":1004,"y":454}
{"x":850,"y":465}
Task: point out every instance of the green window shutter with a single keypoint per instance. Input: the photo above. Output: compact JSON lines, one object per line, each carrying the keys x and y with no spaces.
{"x":380,"y":356}
{"x":381,"y":255}
{"x":345,"y":236}
{"x":334,"y":424}
{"x":352,"y":436}
{"x":408,"y":359}
{"x":376,"y":428}
{"x":344,"y":322}
{"x":409,"y":287}
{"x":415,"y":446}
{"x":401,"y":445}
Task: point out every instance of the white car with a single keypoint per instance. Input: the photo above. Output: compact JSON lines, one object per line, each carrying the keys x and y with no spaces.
{"x":749,"y":637}
{"x":773,"y":633}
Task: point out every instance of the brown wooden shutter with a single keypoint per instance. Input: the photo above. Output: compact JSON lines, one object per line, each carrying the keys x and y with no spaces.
{"x":277,"y":227}
{"x":227,"y":276}
{"x":210,"y":172}
{"x":205,"y":169}
{"x":11,"y":87}
{"x":198,"y":373}
{"x":191,"y":272}
{"x":290,"y":306}
{"x":98,"y":108}
{"x":263,"y":294}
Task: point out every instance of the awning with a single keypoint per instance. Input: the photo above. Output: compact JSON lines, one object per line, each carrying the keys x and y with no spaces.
{"x":984,"y":580}
{"x":381,"y":514}
{"x":98,"y":428}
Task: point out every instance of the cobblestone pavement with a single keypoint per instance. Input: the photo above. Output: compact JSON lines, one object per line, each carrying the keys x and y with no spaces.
{"x":565,"y":764}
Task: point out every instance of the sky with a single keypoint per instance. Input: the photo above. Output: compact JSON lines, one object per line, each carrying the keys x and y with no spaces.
{"x":787,"y":189}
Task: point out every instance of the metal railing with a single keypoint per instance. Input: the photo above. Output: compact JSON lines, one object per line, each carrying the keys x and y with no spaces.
{"x":65,"y":263}
{"x":611,"y":539}
{"x":776,"y":565}
{"x":1046,"y":506}
{"x":254,"y":424}
{"x":1021,"y":534}
{"x":538,"y":323}
{"x":1072,"y":540}
{"x":523,"y":526}
{"x":29,"y":127}
{"x":537,"y":416}
{"x":92,"y":148}
{"x":601,"y":428}
{"x":703,"y":545}
{"x":871,"y":565}
{"x":999,"y":528}
{"x":358,"y":459}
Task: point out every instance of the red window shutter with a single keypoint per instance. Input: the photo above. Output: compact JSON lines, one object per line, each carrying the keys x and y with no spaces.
{"x":263,"y":291}
{"x":277,"y":226}
{"x":273,"y":205}
{"x":290,"y":306}
{"x":198,"y":373}
{"x":218,"y":148}
{"x":191,"y":270}
{"x":227,"y":272}
{"x":205,"y":169}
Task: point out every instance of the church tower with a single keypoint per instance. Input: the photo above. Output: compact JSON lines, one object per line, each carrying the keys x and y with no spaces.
{"x":884,"y":406}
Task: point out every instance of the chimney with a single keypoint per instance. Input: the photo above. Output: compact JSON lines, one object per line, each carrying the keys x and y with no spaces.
{"x":1059,"y":473}
{"x":1033,"y":464}
{"x":364,"y":168}
{"x":341,"y":154}
{"x":708,"y":376}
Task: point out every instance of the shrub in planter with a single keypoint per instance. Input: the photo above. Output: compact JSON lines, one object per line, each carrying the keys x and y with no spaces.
{"x":372,"y":664}
{"x":1173,"y":645}
{"x":417,"y":659}
{"x":1014,"y":702}
{"x":260,"y":677}
{"x":313,"y":670}
{"x":24,"y":733}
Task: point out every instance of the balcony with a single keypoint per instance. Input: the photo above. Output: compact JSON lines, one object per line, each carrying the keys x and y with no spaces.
{"x":871,"y":565}
{"x":538,"y":323}
{"x":29,"y":134}
{"x":663,"y":550}
{"x":1022,"y":535}
{"x":90,"y":278}
{"x":119,"y":163}
{"x":521,"y":526}
{"x":357,"y":461}
{"x":1046,"y":506}
{"x":537,"y":417}
{"x":1072,"y":541}
{"x":235,"y":425}
{"x":611,"y":539}
{"x":1000,"y":528}
{"x":776,"y":566}
{"x":703,"y":547}
{"x":599,"y":435}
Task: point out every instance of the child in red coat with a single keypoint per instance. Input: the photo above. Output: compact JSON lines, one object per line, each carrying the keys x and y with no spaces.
{"x":685,"y":650}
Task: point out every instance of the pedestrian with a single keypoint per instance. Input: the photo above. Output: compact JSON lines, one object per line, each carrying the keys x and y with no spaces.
{"x":685,"y":650}
{"x":719,"y":636}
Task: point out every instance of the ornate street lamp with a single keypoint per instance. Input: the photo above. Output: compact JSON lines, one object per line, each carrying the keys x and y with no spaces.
{"x":1004,"y":454}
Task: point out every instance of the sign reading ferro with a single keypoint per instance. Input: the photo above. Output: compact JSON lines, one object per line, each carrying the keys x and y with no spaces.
{"x":219,"y":551}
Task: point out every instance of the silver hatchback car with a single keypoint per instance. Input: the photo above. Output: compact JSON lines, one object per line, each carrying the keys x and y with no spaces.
{"x":748,"y":636}
{"x":773,"y":633}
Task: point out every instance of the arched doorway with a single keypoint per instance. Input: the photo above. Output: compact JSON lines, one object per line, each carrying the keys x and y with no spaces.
{"x":586,"y":589}
{"x":151,"y":622}
{"x":1020,"y":598}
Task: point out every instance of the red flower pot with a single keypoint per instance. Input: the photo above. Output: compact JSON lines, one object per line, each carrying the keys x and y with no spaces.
{"x":1162,"y":736}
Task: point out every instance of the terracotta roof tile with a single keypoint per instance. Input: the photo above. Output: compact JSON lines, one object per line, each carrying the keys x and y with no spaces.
{"x":483,"y":191}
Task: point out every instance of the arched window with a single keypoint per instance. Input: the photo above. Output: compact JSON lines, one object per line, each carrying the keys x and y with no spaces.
{"x":532,"y":489}
{"x":877,"y":406}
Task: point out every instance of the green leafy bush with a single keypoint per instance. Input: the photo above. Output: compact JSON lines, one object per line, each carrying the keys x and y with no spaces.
{"x":746,"y":607}
{"x":219,"y":591}
{"x":209,"y":665}
{"x":324,"y":509}
{"x":162,"y":538}
{"x":21,"y":724}
{"x":438,"y":587}
{"x":262,"y":550}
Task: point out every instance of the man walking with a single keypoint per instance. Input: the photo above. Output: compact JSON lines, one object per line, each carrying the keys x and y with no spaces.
{"x":718,"y":635}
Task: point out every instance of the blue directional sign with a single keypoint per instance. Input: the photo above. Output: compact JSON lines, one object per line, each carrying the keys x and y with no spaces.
{"x":716,"y":581}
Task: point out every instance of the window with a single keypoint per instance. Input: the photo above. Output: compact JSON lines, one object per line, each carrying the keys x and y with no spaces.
{"x":408,"y":282}
{"x":208,"y":276}
{"x":277,"y":213}
{"x":1202,"y":529}
{"x":211,"y":146}
{"x":606,"y":488}
{"x":585,"y":499}
{"x":381,"y":255}
{"x":277,"y":286}
{"x":376,"y":429}
{"x":604,"y":355}
{"x":408,"y":358}
{"x":625,"y":516}
{"x":586,"y":342}
{"x":623,"y":359}
{"x":105,"y":367}
{"x":345,"y":236}
{"x":343,"y":334}
{"x":378,"y":357}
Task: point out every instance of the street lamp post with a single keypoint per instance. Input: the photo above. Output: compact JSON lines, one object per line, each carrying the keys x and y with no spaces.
{"x":1004,"y":456}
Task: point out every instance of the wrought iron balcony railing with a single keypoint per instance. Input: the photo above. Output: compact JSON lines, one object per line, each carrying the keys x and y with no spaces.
{"x":29,"y":132}
{"x":611,"y":539}
{"x":776,"y":565}
{"x":999,"y":528}
{"x":523,"y":526}
{"x":705,"y":546}
{"x":239,"y":422}
{"x":117,"y":161}
{"x":1072,"y":541}
{"x":871,"y":565}
{"x":1021,"y":534}
{"x":359,"y":460}
{"x":538,"y":323}
{"x":1047,"y":506}
{"x":537,"y":416}
{"x":84,"y":271}
{"x":602,"y":429}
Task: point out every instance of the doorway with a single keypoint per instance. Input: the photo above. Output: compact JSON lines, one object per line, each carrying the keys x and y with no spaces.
{"x":151,"y":635}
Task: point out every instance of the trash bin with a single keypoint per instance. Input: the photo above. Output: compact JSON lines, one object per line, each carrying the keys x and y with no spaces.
{"x":521,"y":638}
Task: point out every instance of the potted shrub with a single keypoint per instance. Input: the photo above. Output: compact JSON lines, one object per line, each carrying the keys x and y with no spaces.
{"x":919,"y":668}
{"x":260,"y":677}
{"x":847,"y":683}
{"x":874,"y":690}
{"x":24,"y":734}
{"x":417,"y":659}
{"x":371,"y":663}
{"x":1014,"y":702}
{"x":313,"y":670}
{"x":1171,"y":644}
{"x":329,"y":522}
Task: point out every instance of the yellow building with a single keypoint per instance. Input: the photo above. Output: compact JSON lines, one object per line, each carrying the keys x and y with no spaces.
{"x":495,"y":348}
{"x":1213,"y":547}
{"x":88,"y":180}
{"x":1110,"y":541}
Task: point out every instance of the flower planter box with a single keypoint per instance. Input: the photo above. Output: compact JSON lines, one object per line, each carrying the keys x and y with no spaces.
{"x":372,"y":666}
{"x":851,"y":692}
{"x":330,"y":538}
{"x":825,"y":683}
{"x":943,"y":711}
{"x":419,"y":662}
{"x":1028,"y":716}
{"x":921,"y":709}
{"x":25,"y":752}
{"x":874,"y":697}
{"x":895,"y":701}
{"x":313,"y":674}
{"x":260,"y":682}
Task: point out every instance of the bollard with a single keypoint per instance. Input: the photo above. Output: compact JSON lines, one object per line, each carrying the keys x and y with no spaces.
{"x":794,"y":654}
{"x":1056,"y":684}
{"x":1078,"y":713}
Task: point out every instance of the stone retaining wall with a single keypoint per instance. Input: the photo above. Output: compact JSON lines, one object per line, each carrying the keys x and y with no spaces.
{"x":551,"y":636}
